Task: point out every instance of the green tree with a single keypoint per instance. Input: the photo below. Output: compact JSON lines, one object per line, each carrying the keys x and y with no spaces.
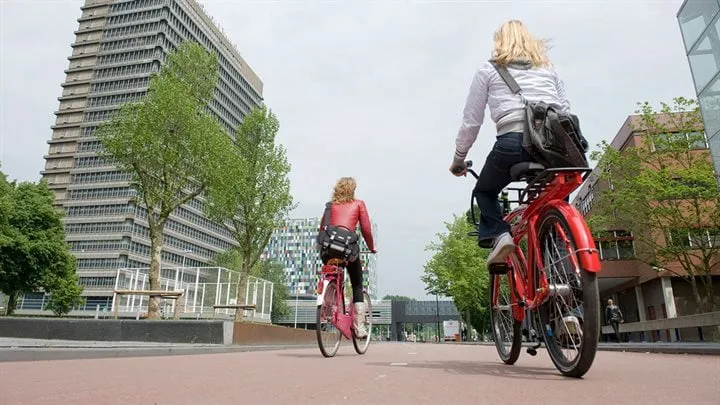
{"x":665,"y":192}
{"x":458,"y":270}
{"x":65,"y":295}
{"x":266,"y":269}
{"x":33,"y":252}
{"x":397,"y":298}
{"x":257,"y":199}
{"x":172,"y":145}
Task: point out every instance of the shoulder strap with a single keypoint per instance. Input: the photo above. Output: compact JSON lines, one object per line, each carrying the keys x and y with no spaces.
{"x":326,"y":214}
{"x":507,"y":77}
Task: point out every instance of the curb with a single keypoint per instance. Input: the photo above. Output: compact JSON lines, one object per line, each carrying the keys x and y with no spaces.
{"x":17,"y":354}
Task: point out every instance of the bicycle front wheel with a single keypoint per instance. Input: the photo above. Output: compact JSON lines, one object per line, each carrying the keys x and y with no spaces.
{"x":505,"y":328}
{"x":570,"y":318}
{"x":361,"y":345}
{"x":328,"y":336}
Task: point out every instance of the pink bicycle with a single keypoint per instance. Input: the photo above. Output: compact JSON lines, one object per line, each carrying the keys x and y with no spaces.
{"x":335,"y":315}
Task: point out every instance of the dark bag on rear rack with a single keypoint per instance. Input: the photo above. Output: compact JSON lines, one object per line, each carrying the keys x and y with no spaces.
{"x":551,"y":136}
{"x":337,"y":242}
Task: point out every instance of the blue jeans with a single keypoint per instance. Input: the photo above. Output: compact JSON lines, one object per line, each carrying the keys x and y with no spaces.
{"x":494,"y":177}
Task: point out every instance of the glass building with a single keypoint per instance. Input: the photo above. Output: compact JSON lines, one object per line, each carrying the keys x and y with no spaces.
{"x":700,"y":26}
{"x":293,"y":246}
{"x":118,"y":45}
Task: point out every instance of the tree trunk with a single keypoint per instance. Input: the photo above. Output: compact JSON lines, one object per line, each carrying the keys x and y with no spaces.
{"x":709,"y":293}
{"x":156,"y":243}
{"x":696,"y":293}
{"x":241,"y":288}
{"x":12,"y":303}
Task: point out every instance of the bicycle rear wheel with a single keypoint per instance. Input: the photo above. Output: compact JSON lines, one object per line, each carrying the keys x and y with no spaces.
{"x":505,"y":328}
{"x":328,"y":336}
{"x":570,"y":318}
{"x":361,"y":345}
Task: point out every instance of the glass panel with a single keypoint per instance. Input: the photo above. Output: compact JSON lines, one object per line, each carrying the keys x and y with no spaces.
{"x":709,"y":101}
{"x":695,"y":17}
{"x":699,"y":238}
{"x":705,"y":58}
{"x":626,"y":249}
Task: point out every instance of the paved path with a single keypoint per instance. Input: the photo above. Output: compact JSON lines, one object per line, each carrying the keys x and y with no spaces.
{"x":390,"y":373}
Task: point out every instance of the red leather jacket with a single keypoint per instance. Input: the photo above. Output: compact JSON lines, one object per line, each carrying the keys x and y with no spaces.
{"x":348,"y":215}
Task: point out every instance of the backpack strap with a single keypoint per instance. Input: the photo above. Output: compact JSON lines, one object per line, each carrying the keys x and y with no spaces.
{"x":507,"y":78}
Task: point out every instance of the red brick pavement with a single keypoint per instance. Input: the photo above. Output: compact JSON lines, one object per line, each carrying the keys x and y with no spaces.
{"x":425,"y":374}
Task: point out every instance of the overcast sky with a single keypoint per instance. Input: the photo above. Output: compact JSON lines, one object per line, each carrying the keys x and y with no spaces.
{"x":374,"y":90}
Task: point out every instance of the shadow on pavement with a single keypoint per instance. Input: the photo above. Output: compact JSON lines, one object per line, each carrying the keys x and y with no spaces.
{"x":486,"y":368}
{"x":316,"y":355}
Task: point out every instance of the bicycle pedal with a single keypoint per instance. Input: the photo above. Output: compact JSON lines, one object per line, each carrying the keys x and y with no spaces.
{"x":531,"y":351}
{"x":498,"y":268}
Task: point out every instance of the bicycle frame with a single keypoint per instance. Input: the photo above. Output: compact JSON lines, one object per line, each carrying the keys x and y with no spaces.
{"x":546,"y":191}
{"x":334,"y":270}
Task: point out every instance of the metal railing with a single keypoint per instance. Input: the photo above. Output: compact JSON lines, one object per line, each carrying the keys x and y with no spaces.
{"x":696,"y":323}
{"x":203,"y":288}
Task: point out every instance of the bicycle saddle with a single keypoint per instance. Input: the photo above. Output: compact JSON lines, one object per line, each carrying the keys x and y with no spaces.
{"x":524,"y":171}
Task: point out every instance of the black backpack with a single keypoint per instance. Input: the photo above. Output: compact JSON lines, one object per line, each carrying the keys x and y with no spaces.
{"x":551,"y":137}
{"x":337,"y":242}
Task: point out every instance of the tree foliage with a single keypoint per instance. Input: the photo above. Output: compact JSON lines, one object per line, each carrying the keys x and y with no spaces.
{"x":172,"y":145}
{"x":665,"y":192}
{"x":33,"y":252}
{"x":265,"y":269}
{"x":256,"y":198}
{"x":458,"y":270}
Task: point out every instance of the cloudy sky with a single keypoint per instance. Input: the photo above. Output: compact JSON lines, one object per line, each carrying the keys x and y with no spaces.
{"x":374,"y":90}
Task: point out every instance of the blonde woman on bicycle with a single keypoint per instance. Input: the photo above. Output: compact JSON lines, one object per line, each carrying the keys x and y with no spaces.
{"x":525,"y":58}
{"x":345,"y":212}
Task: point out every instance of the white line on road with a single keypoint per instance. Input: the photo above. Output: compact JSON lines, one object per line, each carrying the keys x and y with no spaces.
{"x":398,"y":364}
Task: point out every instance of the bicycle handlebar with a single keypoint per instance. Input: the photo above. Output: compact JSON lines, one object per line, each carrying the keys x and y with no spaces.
{"x":468,"y":165}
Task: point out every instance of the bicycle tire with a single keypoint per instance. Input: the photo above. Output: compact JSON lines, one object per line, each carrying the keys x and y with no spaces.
{"x":510,"y":356}
{"x":590,"y":326}
{"x":361,"y":345}
{"x":326,"y":307}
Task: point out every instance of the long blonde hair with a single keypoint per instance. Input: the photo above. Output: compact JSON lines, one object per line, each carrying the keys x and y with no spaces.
{"x":344,"y":190}
{"x":513,"y":42}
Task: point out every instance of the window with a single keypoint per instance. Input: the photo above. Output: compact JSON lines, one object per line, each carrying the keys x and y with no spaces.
{"x":694,"y":238}
{"x":615,"y":245}
{"x":676,"y":140}
{"x":709,"y":101}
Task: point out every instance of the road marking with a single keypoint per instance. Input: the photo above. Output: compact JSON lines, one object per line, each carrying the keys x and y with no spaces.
{"x":398,"y":364}
{"x":412,"y":353}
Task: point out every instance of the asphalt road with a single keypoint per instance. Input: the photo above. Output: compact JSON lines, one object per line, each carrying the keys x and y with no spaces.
{"x":390,"y":373}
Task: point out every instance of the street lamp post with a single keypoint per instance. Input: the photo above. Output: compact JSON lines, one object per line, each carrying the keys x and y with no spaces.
{"x":297,"y":296}
{"x":437,"y":316}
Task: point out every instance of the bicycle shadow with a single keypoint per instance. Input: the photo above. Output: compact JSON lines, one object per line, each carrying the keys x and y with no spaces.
{"x":491,"y":369}
{"x":314,"y":355}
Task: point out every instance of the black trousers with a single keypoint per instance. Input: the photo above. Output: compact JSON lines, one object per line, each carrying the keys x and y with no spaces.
{"x":356,"y":278}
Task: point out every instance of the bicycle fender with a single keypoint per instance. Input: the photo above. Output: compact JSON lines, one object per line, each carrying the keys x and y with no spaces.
{"x":321,"y":296}
{"x":587,"y":253}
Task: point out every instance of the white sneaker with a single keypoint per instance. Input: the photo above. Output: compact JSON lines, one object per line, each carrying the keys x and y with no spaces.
{"x":359,"y":321}
{"x":503,"y":247}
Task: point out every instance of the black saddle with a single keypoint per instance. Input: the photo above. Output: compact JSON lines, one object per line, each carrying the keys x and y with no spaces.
{"x":525,"y":171}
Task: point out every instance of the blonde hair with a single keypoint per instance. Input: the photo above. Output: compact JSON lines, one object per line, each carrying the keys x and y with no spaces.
{"x":344,"y":190}
{"x":513,"y":42}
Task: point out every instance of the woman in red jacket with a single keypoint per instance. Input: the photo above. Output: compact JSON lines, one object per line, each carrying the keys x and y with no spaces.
{"x":347,"y":212}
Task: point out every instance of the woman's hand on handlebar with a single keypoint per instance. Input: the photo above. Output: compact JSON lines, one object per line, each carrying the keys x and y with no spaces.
{"x":458,"y":168}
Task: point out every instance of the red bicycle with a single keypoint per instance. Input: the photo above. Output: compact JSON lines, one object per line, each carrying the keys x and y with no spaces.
{"x":549,"y":284}
{"x":335,"y":315}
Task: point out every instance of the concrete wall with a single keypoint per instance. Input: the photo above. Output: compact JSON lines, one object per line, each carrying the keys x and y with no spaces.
{"x":210,"y":332}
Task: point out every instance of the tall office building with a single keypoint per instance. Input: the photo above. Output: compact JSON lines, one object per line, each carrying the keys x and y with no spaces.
{"x":700,"y":26}
{"x":293,"y":246}
{"x":119,"y":44}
